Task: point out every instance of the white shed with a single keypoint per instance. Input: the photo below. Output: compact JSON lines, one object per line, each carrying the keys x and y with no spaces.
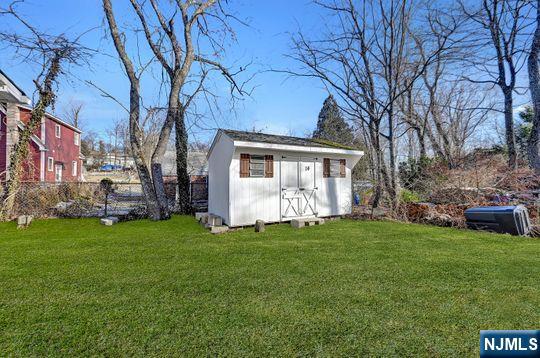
{"x":276,"y":178}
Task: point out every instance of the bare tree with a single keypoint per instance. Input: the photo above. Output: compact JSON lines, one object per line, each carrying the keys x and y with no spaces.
{"x":462,"y":109}
{"x":73,"y":113}
{"x":533,"y":147}
{"x":415,"y":121}
{"x":51,"y":53}
{"x":499,"y":53}
{"x":117,"y":133}
{"x":176,"y":50}
{"x":368,"y":60}
{"x":89,"y":142}
{"x":135,"y":131}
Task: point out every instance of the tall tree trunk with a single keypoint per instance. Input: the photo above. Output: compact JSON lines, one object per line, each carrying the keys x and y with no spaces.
{"x":434,"y":143}
{"x":161,"y":147}
{"x":135,"y":132}
{"x":421,"y":142}
{"x":157,"y":160}
{"x":418,"y":127}
{"x":533,"y":146}
{"x":377,"y":162}
{"x":392,"y":184}
{"x":20,"y":150}
{"x":383,"y":178}
{"x":446,"y":146}
{"x":159,"y":188}
{"x":181,"y":142}
{"x":509,"y":128}
{"x":152,"y":204}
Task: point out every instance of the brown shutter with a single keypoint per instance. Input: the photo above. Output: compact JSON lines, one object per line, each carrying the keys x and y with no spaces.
{"x":326,"y":168}
{"x":268,"y":166}
{"x":342,"y":168}
{"x":244,"y":165}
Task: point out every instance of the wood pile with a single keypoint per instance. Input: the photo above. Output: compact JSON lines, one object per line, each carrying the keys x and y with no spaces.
{"x":451,"y":195}
{"x":450,"y":214}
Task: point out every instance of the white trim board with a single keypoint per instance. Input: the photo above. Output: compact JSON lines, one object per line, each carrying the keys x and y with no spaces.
{"x":296,"y":148}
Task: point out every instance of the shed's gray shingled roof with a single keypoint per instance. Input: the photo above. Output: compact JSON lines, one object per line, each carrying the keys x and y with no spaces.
{"x":280,"y":139}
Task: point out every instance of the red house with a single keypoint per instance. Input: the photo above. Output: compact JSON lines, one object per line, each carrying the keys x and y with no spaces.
{"x":55,"y":152}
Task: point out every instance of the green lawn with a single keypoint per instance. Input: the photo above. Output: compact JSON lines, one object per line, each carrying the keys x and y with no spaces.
{"x":73,"y":287}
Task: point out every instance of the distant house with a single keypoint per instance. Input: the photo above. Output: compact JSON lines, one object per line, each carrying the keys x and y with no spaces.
{"x":55,"y":154}
{"x":277,"y":178}
{"x":197,"y":165}
{"x":125,"y":161}
{"x":197,"y":168}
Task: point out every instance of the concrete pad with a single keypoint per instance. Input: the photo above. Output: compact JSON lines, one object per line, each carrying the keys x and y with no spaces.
{"x":300,"y":223}
{"x":200,"y":216}
{"x":219,"y":229}
{"x":214,"y":220}
{"x":259,"y":226}
{"x":24,"y":221}
{"x":333,"y":218}
{"x":109,"y":221}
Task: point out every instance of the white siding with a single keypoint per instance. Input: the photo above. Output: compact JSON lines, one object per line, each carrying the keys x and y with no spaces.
{"x":218,"y":177}
{"x":260,"y":198}
{"x":334,"y":196}
{"x":254,"y":198}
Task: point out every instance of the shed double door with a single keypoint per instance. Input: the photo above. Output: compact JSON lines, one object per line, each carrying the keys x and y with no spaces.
{"x":298,"y":187}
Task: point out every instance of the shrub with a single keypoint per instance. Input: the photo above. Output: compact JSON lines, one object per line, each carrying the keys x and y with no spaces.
{"x":422,"y":175}
{"x":78,"y":208}
{"x":107,"y":185}
{"x":40,"y":199}
{"x":409,"y":196}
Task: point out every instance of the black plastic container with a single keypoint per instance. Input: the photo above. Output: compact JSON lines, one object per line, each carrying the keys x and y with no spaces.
{"x":512,"y":220}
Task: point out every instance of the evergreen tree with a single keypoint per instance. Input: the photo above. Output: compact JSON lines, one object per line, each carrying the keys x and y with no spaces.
{"x":523,"y":130}
{"x":331,"y":125}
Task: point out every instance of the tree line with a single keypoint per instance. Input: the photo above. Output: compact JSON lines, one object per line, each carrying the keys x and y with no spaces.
{"x":433,"y":72}
{"x":187,"y":40}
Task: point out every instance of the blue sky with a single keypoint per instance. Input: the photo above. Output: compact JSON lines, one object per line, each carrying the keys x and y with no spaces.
{"x":277,"y":105}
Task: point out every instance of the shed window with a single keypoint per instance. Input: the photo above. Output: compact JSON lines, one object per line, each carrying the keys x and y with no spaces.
{"x":334,"y":168}
{"x":74,"y":168}
{"x":76,"y":138}
{"x":50,"y":164}
{"x":57,"y":130}
{"x":256,"y":166}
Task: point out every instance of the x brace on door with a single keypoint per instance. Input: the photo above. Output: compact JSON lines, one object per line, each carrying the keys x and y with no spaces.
{"x":309,"y":202}
{"x":295,"y":196}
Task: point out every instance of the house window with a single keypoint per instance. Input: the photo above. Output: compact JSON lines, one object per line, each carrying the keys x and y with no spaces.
{"x":74,"y":168}
{"x":50,"y":164}
{"x":76,"y":138}
{"x":334,"y":168}
{"x":256,"y":166}
{"x":57,"y":130}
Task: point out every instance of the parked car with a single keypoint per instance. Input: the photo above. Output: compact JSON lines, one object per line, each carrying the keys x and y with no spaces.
{"x":110,"y":167}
